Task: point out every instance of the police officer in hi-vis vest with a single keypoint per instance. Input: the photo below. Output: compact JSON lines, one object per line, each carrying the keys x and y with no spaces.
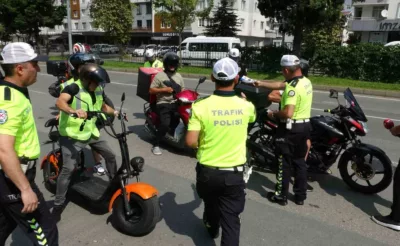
{"x":21,"y":202}
{"x":293,"y":131}
{"x":218,"y":128}
{"x":88,"y":88}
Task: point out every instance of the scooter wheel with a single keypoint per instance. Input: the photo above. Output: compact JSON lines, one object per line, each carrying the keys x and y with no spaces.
{"x":144,"y":219}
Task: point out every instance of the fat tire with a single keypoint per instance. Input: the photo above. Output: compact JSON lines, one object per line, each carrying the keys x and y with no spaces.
{"x":151,"y":214}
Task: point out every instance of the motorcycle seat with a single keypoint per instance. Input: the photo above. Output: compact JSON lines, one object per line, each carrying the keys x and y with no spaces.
{"x":54,"y":136}
{"x":51,"y":123}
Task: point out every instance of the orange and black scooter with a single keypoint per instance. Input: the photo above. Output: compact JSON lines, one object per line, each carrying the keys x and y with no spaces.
{"x":135,"y":206}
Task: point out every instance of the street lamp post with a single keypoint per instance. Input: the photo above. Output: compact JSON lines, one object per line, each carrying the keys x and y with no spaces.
{"x":68,"y":2}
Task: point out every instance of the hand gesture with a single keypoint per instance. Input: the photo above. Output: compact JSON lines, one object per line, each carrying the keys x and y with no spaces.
{"x":169,"y":90}
{"x":30,"y":201}
{"x":81,"y":113}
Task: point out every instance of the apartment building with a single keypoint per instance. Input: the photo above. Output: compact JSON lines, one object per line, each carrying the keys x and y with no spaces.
{"x":376,"y":21}
{"x":255,"y":29}
{"x":81,"y":24}
{"x":148,"y":27}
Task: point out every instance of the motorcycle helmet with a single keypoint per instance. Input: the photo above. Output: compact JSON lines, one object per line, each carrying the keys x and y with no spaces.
{"x":149,"y":54}
{"x":171,"y":62}
{"x":234,"y":54}
{"x":79,"y":48}
{"x":77,"y":60}
{"x":93,"y":73}
{"x":304,"y":66}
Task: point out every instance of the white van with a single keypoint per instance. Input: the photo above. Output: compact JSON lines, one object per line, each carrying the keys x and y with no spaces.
{"x":201,"y":50}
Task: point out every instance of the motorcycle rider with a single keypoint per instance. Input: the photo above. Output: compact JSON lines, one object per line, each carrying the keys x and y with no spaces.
{"x":75,"y":62}
{"x":393,"y":219}
{"x":90,"y":93}
{"x":293,"y":130}
{"x":234,"y":54}
{"x":151,"y":60}
{"x":166,"y":103}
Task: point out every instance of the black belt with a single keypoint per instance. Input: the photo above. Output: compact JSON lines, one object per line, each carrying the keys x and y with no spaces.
{"x":239,"y":168}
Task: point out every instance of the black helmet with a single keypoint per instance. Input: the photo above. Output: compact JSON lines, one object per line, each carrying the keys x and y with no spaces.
{"x":304,"y":66}
{"x":92,"y":72}
{"x":79,"y":59}
{"x":171,"y":60}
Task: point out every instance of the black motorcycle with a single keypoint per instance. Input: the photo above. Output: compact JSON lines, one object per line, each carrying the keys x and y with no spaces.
{"x":330,"y":135}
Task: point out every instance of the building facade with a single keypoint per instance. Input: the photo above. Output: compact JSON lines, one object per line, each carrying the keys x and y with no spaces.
{"x":255,"y":29}
{"x":148,"y":27}
{"x":376,"y":21}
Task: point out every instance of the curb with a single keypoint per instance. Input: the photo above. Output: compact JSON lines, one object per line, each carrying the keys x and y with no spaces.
{"x":370,"y":92}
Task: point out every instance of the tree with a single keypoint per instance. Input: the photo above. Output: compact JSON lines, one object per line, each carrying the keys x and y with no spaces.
{"x":296,"y":16}
{"x":114,"y":17}
{"x":28,"y":16}
{"x":180,"y":14}
{"x":224,"y":22}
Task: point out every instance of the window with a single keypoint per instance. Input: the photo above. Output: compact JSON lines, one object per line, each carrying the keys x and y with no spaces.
{"x":83,"y":12}
{"x":83,"y":1}
{"x":254,"y":23}
{"x":149,"y":24}
{"x":91,"y":26}
{"x":75,"y":14}
{"x":398,"y":11}
{"x":169,"y":25}
{"x":139,"y":9}
{"x":148,"y":8}
{"x":357,"y":13}
{"x":76,"y":26}
{"x":201,"y":22}
{"x":163,"y":24}
{"x":139,"y":23}
{"x":74,"y":2}
{"x":262,"y":25}
{"x":241,"y":22}
{"x":65,"y":26}
{"x":243,"y":4}
{"x":84,"y":25}
{"x":376,"y":11}
{"x":256,"y":7}
{"x":201,"y":5}
{"x":217,"y":47}
{"x":183,"y":46}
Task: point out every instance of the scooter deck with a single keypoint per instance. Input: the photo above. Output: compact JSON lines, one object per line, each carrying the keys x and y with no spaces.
{"x":92,"y":188}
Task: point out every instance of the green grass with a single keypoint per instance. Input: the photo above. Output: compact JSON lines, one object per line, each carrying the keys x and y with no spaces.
{"x":318,"y":80}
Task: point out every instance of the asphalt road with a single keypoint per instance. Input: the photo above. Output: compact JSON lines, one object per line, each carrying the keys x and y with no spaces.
{"x":332,"y":214}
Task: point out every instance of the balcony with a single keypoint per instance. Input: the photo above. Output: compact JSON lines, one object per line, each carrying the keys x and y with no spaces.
{"x":374,"y":24}
{"x":371,"y":3}
{"x":141,"y":29}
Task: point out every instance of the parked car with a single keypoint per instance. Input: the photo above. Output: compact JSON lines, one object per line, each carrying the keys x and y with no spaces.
{"x":114,"y":49}
{"x":101,"y":48}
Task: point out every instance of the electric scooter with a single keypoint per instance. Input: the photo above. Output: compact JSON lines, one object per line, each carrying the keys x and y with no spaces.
{"x":185,"y":99}
{"x":135,"y":206}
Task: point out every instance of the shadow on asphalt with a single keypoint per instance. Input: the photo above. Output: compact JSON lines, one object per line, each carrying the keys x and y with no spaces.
{"x":336,"y":187}
{"x":140,"y":131}
{"x":180,"y":218}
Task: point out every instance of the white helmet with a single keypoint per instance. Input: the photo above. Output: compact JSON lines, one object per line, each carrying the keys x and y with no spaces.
{"x":79,"y":48}
{"x":234,"y":53}
{"x":149,"y":53}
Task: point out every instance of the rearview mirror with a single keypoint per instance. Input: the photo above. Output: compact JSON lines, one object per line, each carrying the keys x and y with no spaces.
{"x":123,"y":97}
{"x":333,"y":94}
{"x":202,"y":79}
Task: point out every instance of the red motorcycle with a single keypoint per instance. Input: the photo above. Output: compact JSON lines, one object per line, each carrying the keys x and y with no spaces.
{"x":185,"y":100}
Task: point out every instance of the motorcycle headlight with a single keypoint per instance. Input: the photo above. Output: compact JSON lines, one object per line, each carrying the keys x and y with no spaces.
{"x":137,"y":163}
{"x":364,"y":124}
